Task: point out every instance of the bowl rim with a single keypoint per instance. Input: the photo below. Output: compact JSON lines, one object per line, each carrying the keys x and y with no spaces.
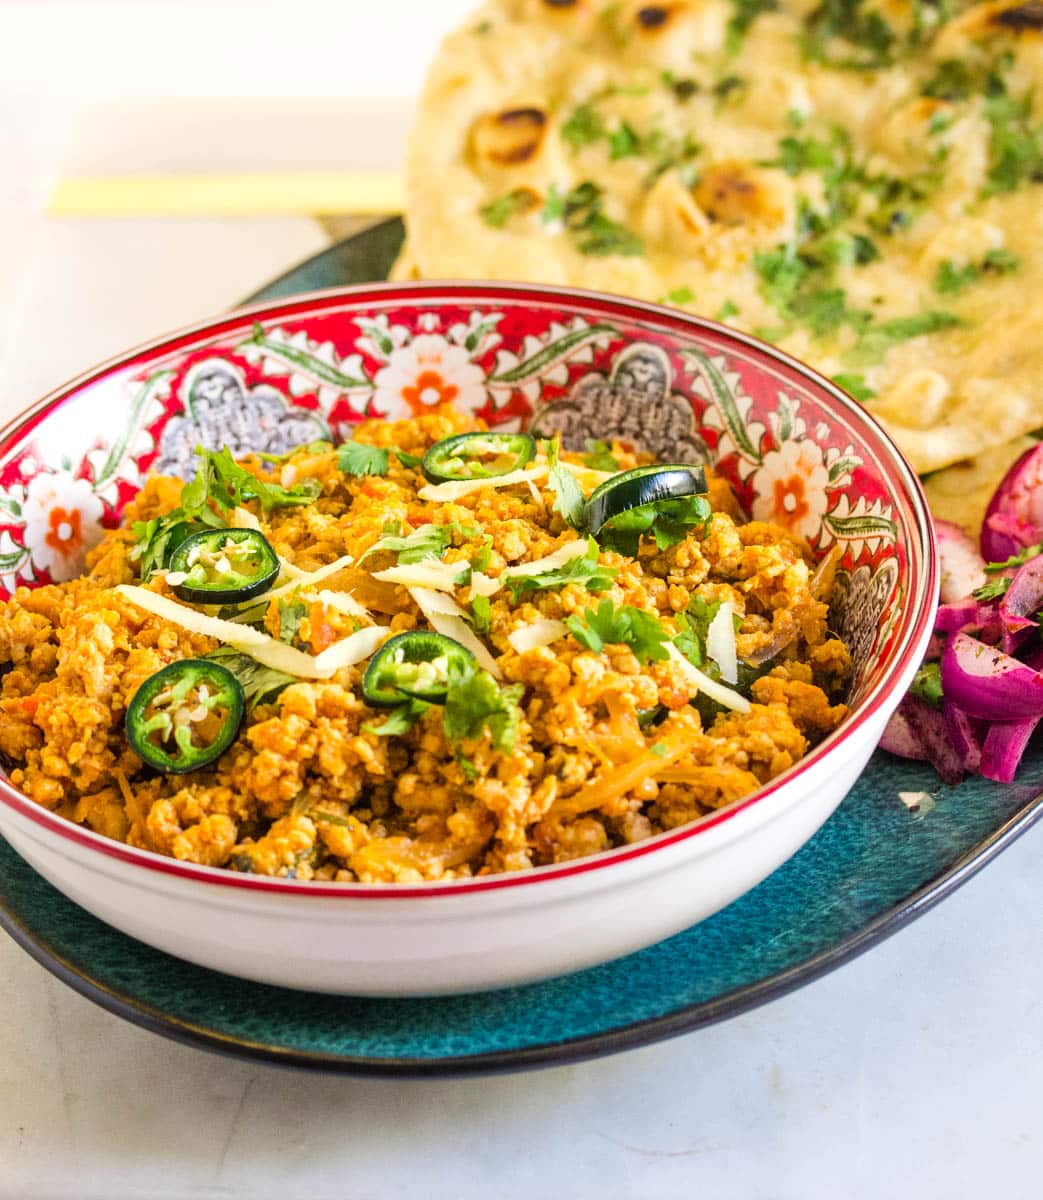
{"x":921,"y":600}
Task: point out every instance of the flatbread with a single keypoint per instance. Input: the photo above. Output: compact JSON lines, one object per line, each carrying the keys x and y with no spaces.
{"x":832,"y":193}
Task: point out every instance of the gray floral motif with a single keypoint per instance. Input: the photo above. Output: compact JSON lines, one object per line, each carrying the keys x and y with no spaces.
{"x":856,"y":613}
{"x":221,"y":411}
{"x":635,"y":404}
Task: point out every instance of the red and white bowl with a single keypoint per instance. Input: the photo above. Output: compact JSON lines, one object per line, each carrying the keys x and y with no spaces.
{"x":796,"y":449}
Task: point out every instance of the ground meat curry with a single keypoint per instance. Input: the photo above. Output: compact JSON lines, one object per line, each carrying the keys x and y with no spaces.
{"x":462,"y":657}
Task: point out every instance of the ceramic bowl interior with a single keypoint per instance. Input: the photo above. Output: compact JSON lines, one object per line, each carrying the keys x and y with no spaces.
{"x":796,"y":450}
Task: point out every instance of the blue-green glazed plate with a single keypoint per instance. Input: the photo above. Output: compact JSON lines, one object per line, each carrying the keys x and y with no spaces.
{"x":898,"y":843}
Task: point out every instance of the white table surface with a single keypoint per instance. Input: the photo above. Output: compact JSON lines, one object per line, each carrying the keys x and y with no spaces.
{"x":916,"y":1070}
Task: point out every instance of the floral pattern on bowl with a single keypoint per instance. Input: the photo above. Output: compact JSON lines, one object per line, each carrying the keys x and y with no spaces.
{"x":312,"y":369}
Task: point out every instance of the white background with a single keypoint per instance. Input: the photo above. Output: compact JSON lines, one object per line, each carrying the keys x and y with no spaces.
{"x":916,"y":1070}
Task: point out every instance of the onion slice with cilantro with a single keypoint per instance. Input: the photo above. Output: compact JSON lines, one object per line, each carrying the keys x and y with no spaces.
{"x":1020,"y":605}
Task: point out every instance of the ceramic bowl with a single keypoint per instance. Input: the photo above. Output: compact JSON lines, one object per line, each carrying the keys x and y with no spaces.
{"x":796,"y":449}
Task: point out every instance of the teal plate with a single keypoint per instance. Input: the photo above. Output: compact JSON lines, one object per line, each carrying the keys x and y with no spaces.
{"x":898,"y":843}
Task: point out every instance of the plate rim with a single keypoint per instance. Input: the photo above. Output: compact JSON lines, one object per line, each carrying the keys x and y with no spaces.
{"x":632,"y":1036}
{"x":643,"y":1032}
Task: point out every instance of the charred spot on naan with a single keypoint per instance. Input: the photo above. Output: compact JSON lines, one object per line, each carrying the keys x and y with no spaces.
{"x":1019,"y":17}
{"x":732,"y":211}
{"x":510,"y":137}
{"x":672,"y":31}
{"x":733,"y":192}
{"x":1023,"y":17}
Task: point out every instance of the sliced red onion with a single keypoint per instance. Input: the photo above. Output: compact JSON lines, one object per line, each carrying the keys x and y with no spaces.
{"x":916,"y":730}
{"x":965,"y":736}
{"x":927,"y":725}
{"x":962,"y":567}
{"x":986,"y":683}
{"x":1014,"y":518}
{"x":1020,"y":603}
{"x":968,"y":616}
{"x":935,"y":648}
{"x":1003,"y":747}
{"x":899,"y":737}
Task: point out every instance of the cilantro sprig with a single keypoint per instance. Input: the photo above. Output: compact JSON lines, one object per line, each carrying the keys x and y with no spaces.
{"x":358,"y":459}
{"x":592,"y":230}
{"x":474,"y":703}
{"x":583,"y":569}
{"x":669,"y":521}
{"x":1016,"y":560}
{"x":599,"y":456}
{"x":498,"y":212}
{"x":426,"y":541}
{"x":608,"y":625}
{"x":951,"y":277}
{"x":568,"y":497}
{"x":220,"y":484}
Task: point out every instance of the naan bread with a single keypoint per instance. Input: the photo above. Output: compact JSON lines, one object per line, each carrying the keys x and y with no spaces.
{"x":855,"y":180}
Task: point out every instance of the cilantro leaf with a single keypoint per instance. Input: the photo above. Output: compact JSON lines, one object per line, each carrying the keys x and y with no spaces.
{"x":680,"y":295}
{"x":584,"y":125}
{"x":851,"y":21}
{"x":854,"y":385}
{"x":291,"y":613}
{"x":994,"y":589}
{"x":879,"y":338}
{"x":952,"y":80}
{"x":568,"y":496}
{"x":694,"y":625}
{"x":628,"y":626}
{"x":1016,"y":560}
{"x":744,"y":13}
{"x":260,"y":684}
{"x":157,"y":539}
{"x":480,"y":614}
{"x":583,"y":569}
{"x":599,"y":456}
{"x":807,"y":154}
{"x":1015,"y":145}
{"x":474,"y":703}
{"x":358,"y":459}
{"x":218,"y":482}
{"x":927,"y":684}
{"x":1001,"y":260}
{"x":950,"y":278}
{"x":623,"y":142}
{"x":400,"y":720}
{"x":426,"y":541}
{"x":499,"y":211}
{"x":591,"y":229}
{"x":408,"y":460}
{"x":669,"y":521}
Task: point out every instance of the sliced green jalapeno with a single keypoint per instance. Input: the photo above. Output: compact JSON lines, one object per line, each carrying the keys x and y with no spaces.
{"x":222,"y":566}
{"x":412,"y":666}
{"x":630,"y":504}
{"x":185,"y":716}
{"x":477,"y":456}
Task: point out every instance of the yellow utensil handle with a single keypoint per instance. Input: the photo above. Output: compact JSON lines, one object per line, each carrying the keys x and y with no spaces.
{"x":314,"y":193}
